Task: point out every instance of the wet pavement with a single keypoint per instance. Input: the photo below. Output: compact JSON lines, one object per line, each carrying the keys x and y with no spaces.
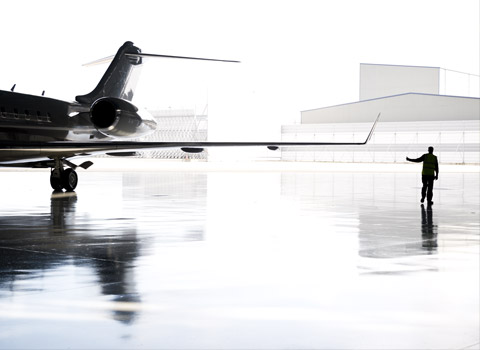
{"x":239,"y":260}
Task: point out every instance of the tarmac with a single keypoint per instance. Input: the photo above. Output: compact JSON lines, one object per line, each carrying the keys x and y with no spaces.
{"x":263,"y":255}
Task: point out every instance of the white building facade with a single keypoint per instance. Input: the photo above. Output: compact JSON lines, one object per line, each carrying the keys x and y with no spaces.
{"x":414,"y":116}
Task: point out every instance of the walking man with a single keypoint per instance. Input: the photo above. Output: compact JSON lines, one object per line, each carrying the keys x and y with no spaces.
{"x":429,"y":173}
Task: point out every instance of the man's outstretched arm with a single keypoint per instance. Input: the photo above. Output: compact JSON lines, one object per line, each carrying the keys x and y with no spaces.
{"x":417,"y":160}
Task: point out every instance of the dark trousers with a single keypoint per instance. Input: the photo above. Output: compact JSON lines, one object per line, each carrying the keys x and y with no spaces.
{"x":427,"y":189}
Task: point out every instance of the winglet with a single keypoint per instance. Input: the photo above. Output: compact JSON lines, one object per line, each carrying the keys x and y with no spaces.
{"x":373,"y":128}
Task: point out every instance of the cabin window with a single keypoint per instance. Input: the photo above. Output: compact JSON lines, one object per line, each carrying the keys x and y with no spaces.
{"x":2,"y":110}
{"x":15,"y":113}
{"x":49,"y":117}
{"x":27,"y":115}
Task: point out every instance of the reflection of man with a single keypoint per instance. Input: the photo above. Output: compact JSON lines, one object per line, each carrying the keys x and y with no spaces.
{"x":429,"y":234}
{"x":429,"y":173}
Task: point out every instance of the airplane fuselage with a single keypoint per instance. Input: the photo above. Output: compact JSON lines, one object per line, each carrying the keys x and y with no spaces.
{"x":32,"y":118}
{"x":28,"y":119}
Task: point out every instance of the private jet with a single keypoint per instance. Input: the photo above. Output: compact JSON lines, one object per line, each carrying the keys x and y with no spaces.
{"x":41,"y":132}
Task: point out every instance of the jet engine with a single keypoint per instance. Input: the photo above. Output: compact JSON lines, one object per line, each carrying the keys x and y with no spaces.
{"x":117,"y":118}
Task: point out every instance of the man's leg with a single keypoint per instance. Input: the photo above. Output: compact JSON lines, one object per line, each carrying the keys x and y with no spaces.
{"x":424,"y":187}
{"x":430,"y":181}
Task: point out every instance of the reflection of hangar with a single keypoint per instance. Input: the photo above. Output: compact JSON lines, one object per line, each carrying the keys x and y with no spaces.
{"x":414,"y":115}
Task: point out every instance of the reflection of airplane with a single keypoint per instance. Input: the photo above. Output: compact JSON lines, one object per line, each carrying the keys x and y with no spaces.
{"x":47,"y":241}
{"x":41,"y":132}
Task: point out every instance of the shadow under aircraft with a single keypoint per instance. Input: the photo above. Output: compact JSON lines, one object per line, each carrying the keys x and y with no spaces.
{"x":41,"y":132}
{"x":32,"y":245}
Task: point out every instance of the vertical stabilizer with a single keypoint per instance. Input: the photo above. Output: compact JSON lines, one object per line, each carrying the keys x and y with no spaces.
{"x":120,"y":78}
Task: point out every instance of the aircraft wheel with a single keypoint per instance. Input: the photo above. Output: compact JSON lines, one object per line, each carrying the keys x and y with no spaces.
{"x":69,"y":179}
{"x":56,"y":183}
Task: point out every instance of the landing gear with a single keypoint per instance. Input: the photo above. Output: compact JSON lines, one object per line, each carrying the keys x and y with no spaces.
{"x":55,"y":182}
{"x":61,"y":178}
{"x":64,"y":179}
{"x":70,"y":179}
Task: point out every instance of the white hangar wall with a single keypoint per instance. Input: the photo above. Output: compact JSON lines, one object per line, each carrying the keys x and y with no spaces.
{"x":378,"y":80}
{"x":408,"y":124}
{"x":455,"y":142}
{"x":413,"y":119}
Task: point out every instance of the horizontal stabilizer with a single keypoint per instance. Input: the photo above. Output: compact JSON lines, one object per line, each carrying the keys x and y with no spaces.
{"x":178,"y":57}
{"x":109,"y":59}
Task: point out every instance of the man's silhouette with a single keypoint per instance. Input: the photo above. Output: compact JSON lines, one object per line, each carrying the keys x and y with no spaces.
{"x":429,"y":173}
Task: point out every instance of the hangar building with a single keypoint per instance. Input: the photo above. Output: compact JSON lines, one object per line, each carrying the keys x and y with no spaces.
{"x":177,"y":125}
{"x":418,"y":109}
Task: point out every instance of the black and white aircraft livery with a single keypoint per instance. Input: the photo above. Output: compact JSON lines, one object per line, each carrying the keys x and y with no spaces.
{"x":41,"y":132}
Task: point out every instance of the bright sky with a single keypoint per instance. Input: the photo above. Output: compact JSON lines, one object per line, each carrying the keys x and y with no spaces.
{"x":295,"y":55}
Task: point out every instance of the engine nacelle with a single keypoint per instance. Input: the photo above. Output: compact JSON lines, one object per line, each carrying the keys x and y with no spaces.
{"x":118,"y":118}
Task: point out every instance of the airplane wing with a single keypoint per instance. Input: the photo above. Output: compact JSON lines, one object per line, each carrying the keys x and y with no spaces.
{"x":40,"y":154}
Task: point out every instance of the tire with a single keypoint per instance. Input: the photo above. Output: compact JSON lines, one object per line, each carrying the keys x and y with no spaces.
{"x":56,"y":183}
{"x":69,"y":179}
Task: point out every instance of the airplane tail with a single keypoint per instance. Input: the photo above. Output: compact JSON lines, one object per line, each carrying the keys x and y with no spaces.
{"x":120,"y":78}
